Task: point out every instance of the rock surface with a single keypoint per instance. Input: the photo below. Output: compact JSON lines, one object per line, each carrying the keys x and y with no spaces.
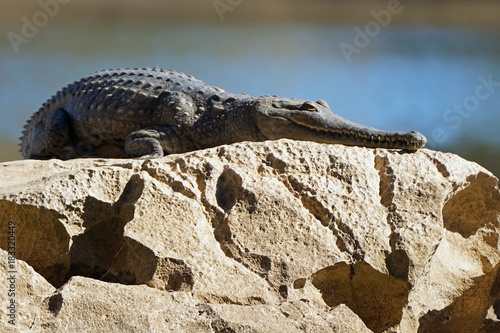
{"x":276,"y":236}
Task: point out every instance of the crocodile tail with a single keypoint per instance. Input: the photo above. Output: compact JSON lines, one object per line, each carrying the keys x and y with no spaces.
{"x":33,"y":125}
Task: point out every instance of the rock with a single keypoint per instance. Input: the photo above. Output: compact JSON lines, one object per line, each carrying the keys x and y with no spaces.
{"x":257,"y":237}
{"x":108,"y":307}
{"x":23,"y":294}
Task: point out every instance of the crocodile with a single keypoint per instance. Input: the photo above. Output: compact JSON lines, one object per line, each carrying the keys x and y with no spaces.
{"x":151,"y":112}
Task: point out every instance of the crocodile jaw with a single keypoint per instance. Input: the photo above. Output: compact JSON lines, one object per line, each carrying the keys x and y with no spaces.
{"x":324,"y":126}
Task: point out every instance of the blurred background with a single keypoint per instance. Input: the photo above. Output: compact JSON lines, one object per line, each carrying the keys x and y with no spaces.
{"x":431,"y":66}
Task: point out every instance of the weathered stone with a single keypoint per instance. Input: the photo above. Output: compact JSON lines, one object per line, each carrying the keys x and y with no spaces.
{"x":25,"y":289}
{"x":118,"y":308}
{"x":259,"y":237}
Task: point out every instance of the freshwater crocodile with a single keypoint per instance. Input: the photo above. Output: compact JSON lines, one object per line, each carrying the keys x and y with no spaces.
{"x":151,"y":112}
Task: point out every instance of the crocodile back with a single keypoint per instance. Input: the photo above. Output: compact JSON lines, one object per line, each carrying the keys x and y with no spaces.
{"x":109,"y":104}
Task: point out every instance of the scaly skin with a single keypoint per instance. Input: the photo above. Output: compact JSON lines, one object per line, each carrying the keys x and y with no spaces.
{"x":147,"y":113}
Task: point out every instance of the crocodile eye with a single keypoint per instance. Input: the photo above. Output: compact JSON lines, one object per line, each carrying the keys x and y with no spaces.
{"x":308,"y":106}
{"x":323,"y":103}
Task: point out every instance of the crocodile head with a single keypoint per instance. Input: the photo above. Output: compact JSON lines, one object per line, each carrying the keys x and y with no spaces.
{"x":280,"y":118}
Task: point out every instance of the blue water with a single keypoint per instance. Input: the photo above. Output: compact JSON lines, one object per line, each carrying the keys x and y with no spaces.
{"x":405,"y":79}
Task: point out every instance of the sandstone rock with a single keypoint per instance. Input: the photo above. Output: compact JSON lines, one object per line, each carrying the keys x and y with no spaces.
{"x":106,"y":307}
{"x":258,"y":237}
{"x":26,"y":288}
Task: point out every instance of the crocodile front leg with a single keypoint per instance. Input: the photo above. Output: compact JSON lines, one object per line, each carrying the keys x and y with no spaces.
{"x":157,"y":141}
